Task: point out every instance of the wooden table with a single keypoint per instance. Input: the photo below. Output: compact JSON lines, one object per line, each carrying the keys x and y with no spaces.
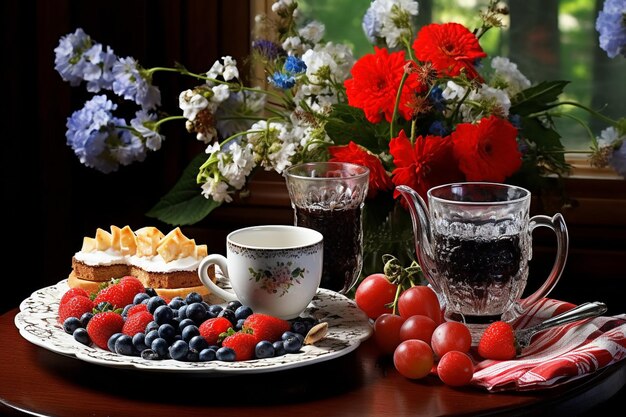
{"x":36,"y":381}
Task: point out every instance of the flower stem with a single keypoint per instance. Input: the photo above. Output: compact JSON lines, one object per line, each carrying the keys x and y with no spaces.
{"x":392,"y":125}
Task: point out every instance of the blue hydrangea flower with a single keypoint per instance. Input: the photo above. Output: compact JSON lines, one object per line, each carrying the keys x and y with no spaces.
{"x":371,"y":26}
{"x":132,"y":85}
{"x":77,"y":59}
{"x":618,"y":159}
{"x":282,"y":80}
{"x":516,"y":120}
{"x":144,"y":125}
{"x":611,"y":25}
{"x":294,"y":65}
{"x":99,"y":139}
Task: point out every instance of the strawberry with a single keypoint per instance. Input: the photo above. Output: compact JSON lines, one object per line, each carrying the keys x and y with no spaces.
{"x":102,"y":326}
{"x":119,"y":293}
{"x":136,"y":309}
{"x":137,"y":322}
{"x":498,"y":342}
{"x":266,"y":327}
{"x":242,"y":343}
{"x":75,"y":306}
{"x":71,"y":293}
{"x":211,"y":329}
{"x":132,"y":285}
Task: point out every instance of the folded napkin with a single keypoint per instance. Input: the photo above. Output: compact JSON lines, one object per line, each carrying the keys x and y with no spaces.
{"x":557,"y":355}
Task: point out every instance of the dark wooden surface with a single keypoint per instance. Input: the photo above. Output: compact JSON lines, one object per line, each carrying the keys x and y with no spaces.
{"x":361,"y":383}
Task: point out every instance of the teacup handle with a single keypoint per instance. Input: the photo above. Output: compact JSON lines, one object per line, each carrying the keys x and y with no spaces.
{"x":557,"y":225}
{"x":203,"y":273}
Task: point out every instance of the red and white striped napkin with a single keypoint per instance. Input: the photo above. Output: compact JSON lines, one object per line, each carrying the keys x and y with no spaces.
{"x":557,"y":355}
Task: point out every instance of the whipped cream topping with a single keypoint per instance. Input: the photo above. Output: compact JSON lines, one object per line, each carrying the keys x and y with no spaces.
{"x":147,"y":263}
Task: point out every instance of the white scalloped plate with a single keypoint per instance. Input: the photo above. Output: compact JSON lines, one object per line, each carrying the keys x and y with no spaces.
{"x":348,"y":326}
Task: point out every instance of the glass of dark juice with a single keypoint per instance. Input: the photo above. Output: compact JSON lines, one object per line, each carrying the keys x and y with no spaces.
{"x":329,"y":197}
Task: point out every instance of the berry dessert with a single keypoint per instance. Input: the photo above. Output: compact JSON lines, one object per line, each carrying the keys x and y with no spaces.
{"x":128,"y":319}
{"x":167,"y":263}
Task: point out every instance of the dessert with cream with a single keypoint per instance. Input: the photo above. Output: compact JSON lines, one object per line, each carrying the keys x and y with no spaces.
{"x":167,"y":263}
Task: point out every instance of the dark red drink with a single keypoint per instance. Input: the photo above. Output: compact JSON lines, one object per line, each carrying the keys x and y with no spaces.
{"x":343,"y":237}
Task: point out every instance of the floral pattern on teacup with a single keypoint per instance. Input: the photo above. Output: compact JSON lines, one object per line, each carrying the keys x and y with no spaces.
{"x":279,"y":278}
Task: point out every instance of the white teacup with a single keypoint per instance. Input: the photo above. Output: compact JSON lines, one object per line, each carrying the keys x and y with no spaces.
{"x":273,"y":269}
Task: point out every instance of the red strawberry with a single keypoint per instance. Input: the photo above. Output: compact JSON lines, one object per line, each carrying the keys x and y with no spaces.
{"x":211,"y":329}
{"x":137,"y":322}
{"x":136,"y":309}
{"x":102,"y":326}
{"x":75,"y":307}
{"x":119,"y":294}
{"x":498,"y":342}
{"x":71,"y":293}
{"x":266,"y":327}
{"x":132,"y":284}
{"x":242,"y":343}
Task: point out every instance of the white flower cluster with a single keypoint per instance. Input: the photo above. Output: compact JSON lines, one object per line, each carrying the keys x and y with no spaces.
{"x":389,"y":20}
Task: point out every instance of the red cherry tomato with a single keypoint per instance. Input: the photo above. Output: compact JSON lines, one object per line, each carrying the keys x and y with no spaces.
{"x":455,"y":369}
{"x":413,"y":359}
{"x":451,"y":335}
{"x":374,"y":294}
{"x":418,"y":327}
{"x":420,"y":300}
{"x":387,"y":332}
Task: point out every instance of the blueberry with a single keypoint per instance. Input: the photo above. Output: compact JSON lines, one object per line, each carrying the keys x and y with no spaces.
{"x":151,"y":292}
{"x":139,"y":342}
{"x":198,"y":343}
{"x":225,"y":354}
{"x":233,"y":305}
{"x":289,"y":334}
{"x":163,"y":314}
{"x":292,"y":344}
{"x":189,"y":332}
{"x":70,"y":324}
{"x":124,"y":345}
{"x":182,"y":312}
{"x":215,"y":309}
{"x":160,"y":347}
{"x":228,"y":314}
{"x":193,"y":297}
{"x":196,"y":312}
{"x":104,"y":306}
{"x":279,"y":348}
{"x":176,"y":303}
{"x":84,"y":319}
{"x":178,"y":350}
{"x":242,"y":312}
{"x":206,"y":355}
{"x":264,"y":349}
{"x":184,"y":323}
{"x":155,"y":302}
{"x":299,"y":327}
{"x":239,"y":324}
{"x":81,"y":336}
{"x":192,"y":356}
{"x":125,"y":310}
{"x":111,"y":341}
{"x":140,"y":298}
{"x":150,"y":336}
{"x":151,"y":326}
{"x":167,"y":332}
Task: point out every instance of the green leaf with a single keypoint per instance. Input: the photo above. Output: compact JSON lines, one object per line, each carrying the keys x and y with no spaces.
{"x":347,"y":123}
{"x":537,"y":98}
{"x":184,"y":203}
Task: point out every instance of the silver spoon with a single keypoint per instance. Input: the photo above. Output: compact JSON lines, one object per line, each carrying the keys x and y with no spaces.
{"x":583,"y":311}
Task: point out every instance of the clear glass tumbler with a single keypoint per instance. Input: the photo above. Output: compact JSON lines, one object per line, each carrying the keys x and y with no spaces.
{"x":329,"y":197}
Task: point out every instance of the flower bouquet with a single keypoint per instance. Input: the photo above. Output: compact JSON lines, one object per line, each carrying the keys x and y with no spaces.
{"x":427,"y":106}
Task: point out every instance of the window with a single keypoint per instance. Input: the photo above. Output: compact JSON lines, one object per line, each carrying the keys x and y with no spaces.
{"x":549,"y":40}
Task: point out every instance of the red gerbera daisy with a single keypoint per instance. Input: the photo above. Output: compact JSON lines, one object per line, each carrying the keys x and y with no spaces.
{"x":379,"y":178}
{"x":450,"y":47}
{"x":425,"y":164}
{"x":375,"y":82}
{"x":487,"y":151}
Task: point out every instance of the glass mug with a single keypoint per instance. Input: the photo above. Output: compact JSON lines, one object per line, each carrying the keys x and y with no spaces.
{"x":329,"y":197}
{"x":474,"y":243}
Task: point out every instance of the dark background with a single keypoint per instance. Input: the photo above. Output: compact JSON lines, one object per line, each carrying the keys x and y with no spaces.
{"x":51,"y":201}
